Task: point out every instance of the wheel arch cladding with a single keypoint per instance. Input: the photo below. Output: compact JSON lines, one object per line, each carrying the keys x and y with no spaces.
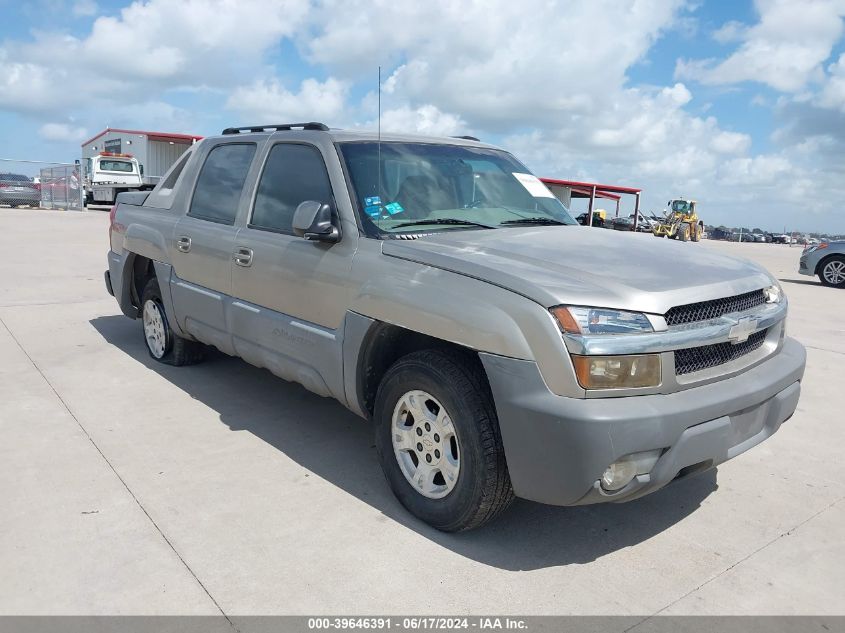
{"x":384,"y":344}
{"x":824,"y":261}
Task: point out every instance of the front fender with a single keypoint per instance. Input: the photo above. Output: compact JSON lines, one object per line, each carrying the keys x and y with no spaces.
{"x":468,"y":312}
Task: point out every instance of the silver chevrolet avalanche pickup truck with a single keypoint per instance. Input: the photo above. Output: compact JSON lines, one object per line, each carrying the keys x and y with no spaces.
{"x":437,"y":288}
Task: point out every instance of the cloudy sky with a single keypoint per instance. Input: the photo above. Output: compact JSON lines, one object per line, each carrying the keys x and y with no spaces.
{"x":740,"y":105}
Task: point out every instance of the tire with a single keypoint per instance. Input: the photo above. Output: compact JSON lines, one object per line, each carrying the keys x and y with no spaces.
{"x":162,"y":343}
{"x":684,"y":233}
{"x":696,"y":232}
{"x":832,"y":271}
{"x":428,"y":383}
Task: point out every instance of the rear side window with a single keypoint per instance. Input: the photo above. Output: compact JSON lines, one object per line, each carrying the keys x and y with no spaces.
{"x":175,"y":171}
{"x":293,"y":174}
{"x":220,"y":183}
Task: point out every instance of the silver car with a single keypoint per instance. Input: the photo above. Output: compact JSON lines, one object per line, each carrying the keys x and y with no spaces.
{"x":827,"y":260}
{"x":18,"y":190}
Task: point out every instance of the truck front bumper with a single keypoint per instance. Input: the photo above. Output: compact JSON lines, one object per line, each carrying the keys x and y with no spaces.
{"x":557,"y":447}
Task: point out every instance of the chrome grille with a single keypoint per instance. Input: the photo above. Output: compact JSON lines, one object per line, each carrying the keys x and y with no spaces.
{"x":706,"y":310}
{"x":698,"y":358}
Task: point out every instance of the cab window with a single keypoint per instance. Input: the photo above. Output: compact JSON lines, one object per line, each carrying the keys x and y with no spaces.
{"x":221,"y":180}
{"x":292,"y":174}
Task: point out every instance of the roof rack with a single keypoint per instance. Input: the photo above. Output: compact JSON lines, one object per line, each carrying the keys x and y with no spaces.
{"x":468,"y":138}
{"x":313,"y":125}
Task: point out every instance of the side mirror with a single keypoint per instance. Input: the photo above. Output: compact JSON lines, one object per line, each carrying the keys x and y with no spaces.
{"x":316,"y":221}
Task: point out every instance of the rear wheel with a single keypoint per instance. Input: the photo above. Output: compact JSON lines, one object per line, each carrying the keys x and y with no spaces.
{"x":832,"y":272}
{"x":438,"y":440}
{"x":163,"y":344}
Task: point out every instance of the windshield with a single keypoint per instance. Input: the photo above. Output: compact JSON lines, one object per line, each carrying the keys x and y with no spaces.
{"x":680,"y":206}
{"x":431,"y":187}
{"x":116,"y":165}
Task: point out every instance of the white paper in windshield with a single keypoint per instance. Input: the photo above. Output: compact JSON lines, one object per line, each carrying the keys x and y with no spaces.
{"x":533,"y":185}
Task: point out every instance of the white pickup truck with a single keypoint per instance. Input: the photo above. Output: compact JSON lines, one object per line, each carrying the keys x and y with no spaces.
{"x":109,"y":174}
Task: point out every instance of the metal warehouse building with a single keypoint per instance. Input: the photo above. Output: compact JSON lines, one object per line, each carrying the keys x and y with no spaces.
{"x":155,"y":151}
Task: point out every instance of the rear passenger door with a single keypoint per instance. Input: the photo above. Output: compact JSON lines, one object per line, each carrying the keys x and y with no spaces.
{"x":203,"y":242}
{"x":291,"y":294}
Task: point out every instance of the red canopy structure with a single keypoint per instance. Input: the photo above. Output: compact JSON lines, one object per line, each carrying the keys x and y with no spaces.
{"x":567,"y":189}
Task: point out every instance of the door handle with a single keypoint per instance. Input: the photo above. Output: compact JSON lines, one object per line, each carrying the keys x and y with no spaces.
{"x":243,"y":256}
{"x":184,"y":244}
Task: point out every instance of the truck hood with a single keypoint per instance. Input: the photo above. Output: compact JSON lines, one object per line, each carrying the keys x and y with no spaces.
{"x":577,"y":265}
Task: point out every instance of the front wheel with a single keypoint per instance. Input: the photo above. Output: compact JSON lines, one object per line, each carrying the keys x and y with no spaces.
{"x":832,"y":272}
{"x":438,"y":440}
{"x":697,"y":232}
{"x":163,"y":344}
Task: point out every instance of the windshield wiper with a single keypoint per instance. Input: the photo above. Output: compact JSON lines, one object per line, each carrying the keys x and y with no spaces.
{"x":538,"y":220}
{"x":454,"y":221}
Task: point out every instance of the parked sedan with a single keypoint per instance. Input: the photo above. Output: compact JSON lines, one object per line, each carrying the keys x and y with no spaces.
{"x":18,"y":190}
{"x":644,"y":224}
{"x":827,"y":260}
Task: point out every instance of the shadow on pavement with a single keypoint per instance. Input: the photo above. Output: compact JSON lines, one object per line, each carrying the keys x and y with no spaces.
{"x":803,"y":282}
{"x":333,"y":443}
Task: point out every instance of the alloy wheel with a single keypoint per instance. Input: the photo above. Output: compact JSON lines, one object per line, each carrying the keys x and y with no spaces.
{"x":834,"y":272}
{"x":425,"y":444}
{"x":154,"y":328}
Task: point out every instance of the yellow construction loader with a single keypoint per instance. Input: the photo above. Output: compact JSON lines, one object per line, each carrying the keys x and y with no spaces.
{"x":681,"y":222}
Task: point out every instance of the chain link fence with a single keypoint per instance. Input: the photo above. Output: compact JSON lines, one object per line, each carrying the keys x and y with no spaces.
{"x":40,"y":184}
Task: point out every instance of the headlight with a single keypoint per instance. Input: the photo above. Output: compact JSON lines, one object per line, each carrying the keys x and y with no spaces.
{"x":578,"y":320}
{"x":814,"y":247}
{"x":617,"y":372}
{"x":773,"y":294}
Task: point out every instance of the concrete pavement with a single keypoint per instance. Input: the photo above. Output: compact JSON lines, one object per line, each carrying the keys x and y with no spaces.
{"x":135,"y":488}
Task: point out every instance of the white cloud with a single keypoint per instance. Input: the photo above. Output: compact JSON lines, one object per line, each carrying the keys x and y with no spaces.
{"x":62,"y":132}
{"x":82,"y":8}
{"x":833,"y":93}
{"x":493,"y":65}
{"x":762,"y":170}
{"x":149,"y":47}
{"x":552,"y":80}
{"x":731,"y":31}
{"x":730,"y":142}
{"x":784,"y":50}
{"x":426,"y":119}
{"x":268,"y":101}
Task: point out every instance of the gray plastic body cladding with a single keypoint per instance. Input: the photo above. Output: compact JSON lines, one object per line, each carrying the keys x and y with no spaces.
{"x":163,"y":275}
{"x":355,"y":331}
{"x":557,"y":447}
{"x":120,"y":272}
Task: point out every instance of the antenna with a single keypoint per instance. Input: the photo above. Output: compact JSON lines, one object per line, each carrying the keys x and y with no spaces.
{"x":378,"y":165}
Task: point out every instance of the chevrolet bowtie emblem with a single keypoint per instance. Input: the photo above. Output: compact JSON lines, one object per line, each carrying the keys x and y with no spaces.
{"x":744,"y":328}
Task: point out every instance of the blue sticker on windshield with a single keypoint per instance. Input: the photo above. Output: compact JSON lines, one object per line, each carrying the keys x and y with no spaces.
{"x":372,"y":200}
{"x":373,"y":210}
{"x":393,"y":208}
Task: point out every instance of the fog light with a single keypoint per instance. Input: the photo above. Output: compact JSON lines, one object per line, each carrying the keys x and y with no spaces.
{"x":620,"y":473}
